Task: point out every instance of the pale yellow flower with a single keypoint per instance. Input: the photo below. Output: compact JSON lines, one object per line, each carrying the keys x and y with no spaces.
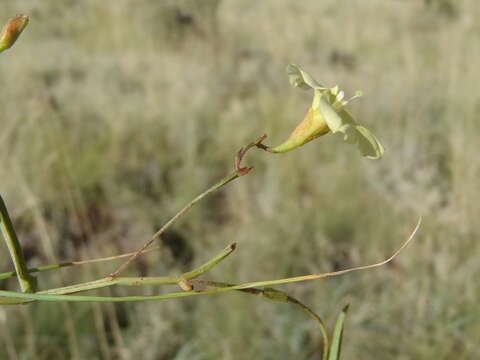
{"x":327,"y":114}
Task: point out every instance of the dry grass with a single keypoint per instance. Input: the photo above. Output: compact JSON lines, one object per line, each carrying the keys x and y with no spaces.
{"x":114,"y":114}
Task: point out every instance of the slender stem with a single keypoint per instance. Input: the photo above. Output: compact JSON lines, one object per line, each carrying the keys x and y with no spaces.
{"x":187,"y":207}
{"x":27,"y":282}
{"x":9,"y":274}
{"x":208,"y":265}
{"x":239,"y":171}
{"x":12,"y":297}
{"x":321,"y":325}
{"x":138,"y":281}
{"x":288,"y":298}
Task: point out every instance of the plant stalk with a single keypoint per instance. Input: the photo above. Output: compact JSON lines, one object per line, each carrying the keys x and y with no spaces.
{"x":12,"y":297}
{"x":26,"y":281}
{"x":10,"y":274}
{"x":239,"y":171}
{"x":138,"y":281}
{"x":288,"y":299}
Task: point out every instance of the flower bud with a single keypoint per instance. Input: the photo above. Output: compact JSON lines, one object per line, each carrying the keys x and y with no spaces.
{"x":11,"y":31}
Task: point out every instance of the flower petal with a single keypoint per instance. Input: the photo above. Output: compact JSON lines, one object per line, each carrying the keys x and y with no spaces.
{"x":301,"y":79}
{"x":332,"y":118}
{"x":353,"y":133}
{"x":340,"y":96}
{"x":368,"y":144}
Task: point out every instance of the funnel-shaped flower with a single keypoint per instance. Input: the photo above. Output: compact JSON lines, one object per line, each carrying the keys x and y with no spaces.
{"x":11,"y":31}
{"x":327,"y":114}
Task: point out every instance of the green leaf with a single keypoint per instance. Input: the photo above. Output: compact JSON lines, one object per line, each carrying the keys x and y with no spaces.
{"x":336,"y":347}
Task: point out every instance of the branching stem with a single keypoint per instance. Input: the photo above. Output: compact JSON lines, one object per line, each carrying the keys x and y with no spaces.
{"x":287,"y":298}
{"x":10,"y":274}
{"x":238,"y":172}
{"x":138,"y":281}
{"x":11,"y":297}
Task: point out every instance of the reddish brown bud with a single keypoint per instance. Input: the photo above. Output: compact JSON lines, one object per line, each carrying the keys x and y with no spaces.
{"x":11,"y":31}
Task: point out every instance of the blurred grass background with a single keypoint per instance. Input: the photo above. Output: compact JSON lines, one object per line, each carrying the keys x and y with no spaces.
{"x":115,"y":114}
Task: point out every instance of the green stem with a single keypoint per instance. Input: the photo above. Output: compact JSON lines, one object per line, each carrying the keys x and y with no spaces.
{"x":187,"y":207}
{"x":10,"y":274}
{"x":12,"y":297}
{"x":17,"y":254}
{"x":17,"y":298}
{"x":321,"y":325}
{"x":239,"y":171}
{"x":138,"y":281}
{"x":289,"y":299}
{"x":27,"y":282}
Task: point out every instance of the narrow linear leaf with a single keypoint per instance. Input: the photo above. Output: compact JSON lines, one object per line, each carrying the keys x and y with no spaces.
{"x":336,"y":346}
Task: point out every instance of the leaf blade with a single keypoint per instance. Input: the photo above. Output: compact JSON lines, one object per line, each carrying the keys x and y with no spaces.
{"x":336,"y":347}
